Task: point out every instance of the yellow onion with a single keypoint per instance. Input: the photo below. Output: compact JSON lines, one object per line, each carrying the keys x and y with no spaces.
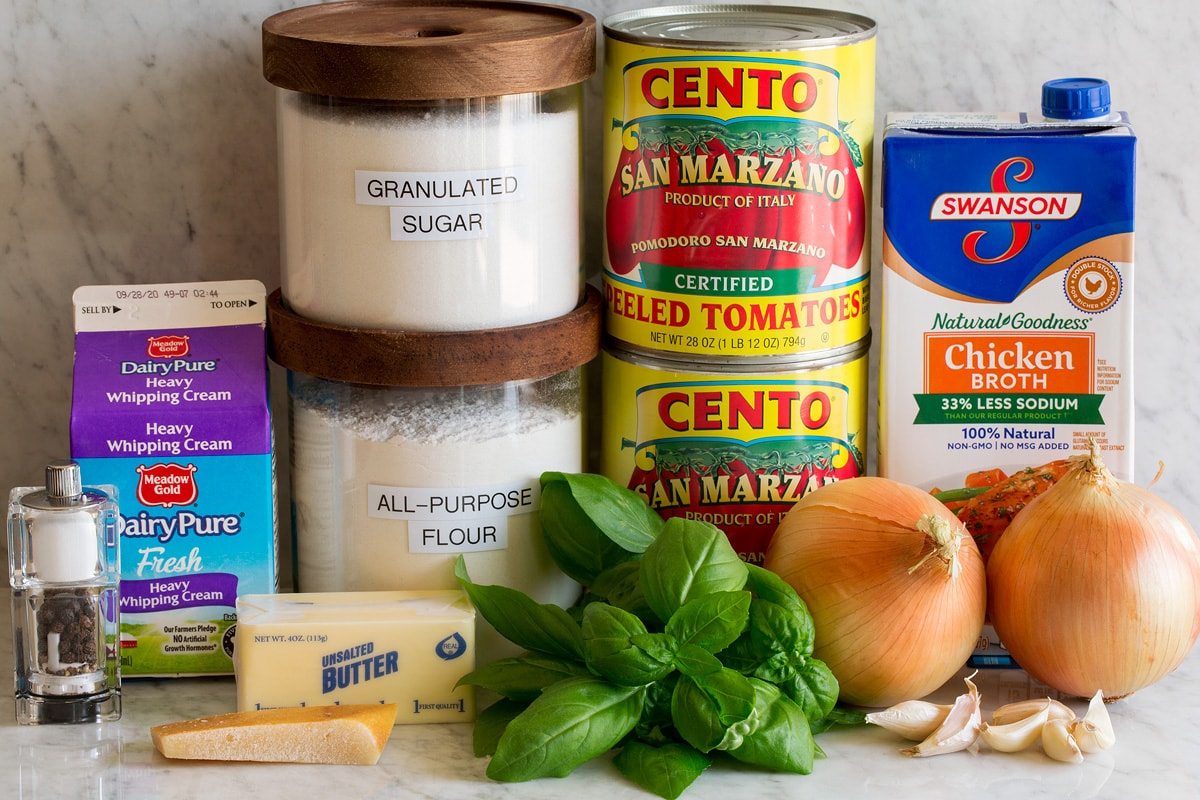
{"x":894,"y":582}
{"x":1095,"y":585}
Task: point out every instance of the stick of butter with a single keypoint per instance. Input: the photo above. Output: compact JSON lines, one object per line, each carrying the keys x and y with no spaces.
{"x":337,"y":648}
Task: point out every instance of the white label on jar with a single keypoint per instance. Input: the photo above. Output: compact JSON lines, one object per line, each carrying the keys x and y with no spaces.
{"x":420,"y":189}
{"x":454,"y":520}
{"x":449,"y":222}
{"x":438,"y":206}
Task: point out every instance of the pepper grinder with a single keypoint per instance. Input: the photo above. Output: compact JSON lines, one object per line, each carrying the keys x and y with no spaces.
{"x":65,"y":572}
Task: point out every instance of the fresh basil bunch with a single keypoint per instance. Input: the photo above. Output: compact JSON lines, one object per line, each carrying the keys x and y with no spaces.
{"x":678,"y":650}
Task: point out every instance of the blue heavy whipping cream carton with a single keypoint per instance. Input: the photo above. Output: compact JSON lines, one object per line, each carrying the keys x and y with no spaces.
{"x":170,"y":405}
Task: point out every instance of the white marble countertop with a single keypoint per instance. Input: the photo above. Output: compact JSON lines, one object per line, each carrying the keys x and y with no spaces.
{"x":140,"y":146}
{"x":1157,"y":729}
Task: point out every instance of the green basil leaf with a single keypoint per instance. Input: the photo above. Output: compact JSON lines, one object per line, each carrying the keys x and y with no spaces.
{"x":541,"y":627}
{"x":490,"y":724}
{"x":617,"y":646}
{"x":523,"y":678}
{"x":713,"y":622}
{"x":621,"y":586}
{"x":814,"y":688}
{"x":771,"y":648}
{"x":774,"y":589}
{"x":689,"y":559}
{"x":577,"y":545}
{"x":571,"y":723}
{"x":695,"y":661}
{"x":622,"y":514}
{"x":658,"y":646}
{"x":656,"y":711}
{"x":667,"y":770}
{"x":782,"y":741}
{"x":710,"y":710}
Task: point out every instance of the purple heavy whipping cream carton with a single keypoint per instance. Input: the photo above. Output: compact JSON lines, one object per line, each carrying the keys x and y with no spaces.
{"x":170,"y":405}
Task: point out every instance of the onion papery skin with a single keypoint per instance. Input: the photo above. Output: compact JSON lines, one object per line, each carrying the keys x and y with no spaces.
{"x":1095,"y":586}
{"x":887,"y":635}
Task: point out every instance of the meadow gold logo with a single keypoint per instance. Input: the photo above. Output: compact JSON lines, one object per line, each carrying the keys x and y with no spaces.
{"x":166,"y":485}
{"x":168,"y":346}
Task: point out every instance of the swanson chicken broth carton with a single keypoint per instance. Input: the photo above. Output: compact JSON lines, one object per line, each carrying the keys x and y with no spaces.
{"x":1007,"y":298}
{"x":170,"y":405}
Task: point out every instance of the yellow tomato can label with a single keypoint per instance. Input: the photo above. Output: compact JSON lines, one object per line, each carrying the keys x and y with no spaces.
{"x":737,"y":169}
{"x":736,"y":448}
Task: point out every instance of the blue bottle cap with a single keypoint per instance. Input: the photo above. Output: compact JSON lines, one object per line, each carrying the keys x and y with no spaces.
{"x":1075,"y":98}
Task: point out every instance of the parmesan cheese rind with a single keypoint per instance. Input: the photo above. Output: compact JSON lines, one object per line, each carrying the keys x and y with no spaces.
{"x":350,"y":734}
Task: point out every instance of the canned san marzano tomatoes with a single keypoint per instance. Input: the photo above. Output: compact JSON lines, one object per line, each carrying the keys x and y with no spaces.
{"x":734,"y":448}
{"x":737,"y":170}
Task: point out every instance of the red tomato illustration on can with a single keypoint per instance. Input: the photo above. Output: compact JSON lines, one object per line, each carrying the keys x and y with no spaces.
{"x":737,"y":197}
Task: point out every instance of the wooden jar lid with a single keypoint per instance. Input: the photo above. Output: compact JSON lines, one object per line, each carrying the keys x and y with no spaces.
{"x":375,"y":357}
{"x":428,"y":49}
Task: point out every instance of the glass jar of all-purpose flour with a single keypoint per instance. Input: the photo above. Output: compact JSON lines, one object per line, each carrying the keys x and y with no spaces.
{"x":429,"y":160}
{"x":409,"y":450}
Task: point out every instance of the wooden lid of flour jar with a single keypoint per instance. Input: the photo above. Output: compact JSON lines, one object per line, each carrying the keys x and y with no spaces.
{"x":429,"y":161}
{"x":428,"y":49}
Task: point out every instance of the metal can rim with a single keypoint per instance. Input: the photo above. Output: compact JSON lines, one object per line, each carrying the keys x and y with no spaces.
{"x":734,"y":365}
{"x":854,"y":28}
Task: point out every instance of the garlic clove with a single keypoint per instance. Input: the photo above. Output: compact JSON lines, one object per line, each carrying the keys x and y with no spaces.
{"x":1094,"y":732}
{"x":1059,"y":743}
{"x":958,"y":731}
{"x":912,"y":719}
{"x":1007,"y":714}
{"x":1015,"y":736}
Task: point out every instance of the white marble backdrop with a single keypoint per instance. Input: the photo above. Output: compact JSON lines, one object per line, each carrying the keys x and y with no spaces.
{"x":137,"y":145}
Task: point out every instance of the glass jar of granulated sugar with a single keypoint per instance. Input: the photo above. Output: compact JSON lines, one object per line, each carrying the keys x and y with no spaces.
{"x":409,"y":450}
{"x":429,"y":160}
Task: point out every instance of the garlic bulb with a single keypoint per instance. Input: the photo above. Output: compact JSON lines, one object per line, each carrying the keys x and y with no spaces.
{"x":1014,"y":727}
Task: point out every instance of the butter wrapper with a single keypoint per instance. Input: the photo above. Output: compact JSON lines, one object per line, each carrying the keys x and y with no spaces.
{"x":335,"y":648}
